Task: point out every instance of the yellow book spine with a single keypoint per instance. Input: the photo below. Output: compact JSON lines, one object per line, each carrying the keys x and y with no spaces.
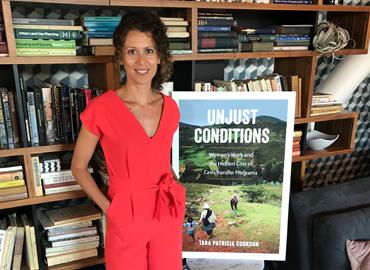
{"x":14,"y":183}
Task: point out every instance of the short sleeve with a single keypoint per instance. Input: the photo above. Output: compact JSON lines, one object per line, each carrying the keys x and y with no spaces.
{"x":90,"y":119}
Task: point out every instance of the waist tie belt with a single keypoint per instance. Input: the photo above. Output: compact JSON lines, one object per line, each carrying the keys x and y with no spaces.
{"x":167,"y":192}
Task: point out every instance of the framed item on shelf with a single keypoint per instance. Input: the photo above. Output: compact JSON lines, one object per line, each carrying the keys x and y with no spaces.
{"x":233,"y":153}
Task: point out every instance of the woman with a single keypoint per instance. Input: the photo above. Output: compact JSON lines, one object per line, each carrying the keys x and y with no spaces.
{"x":208,"y":220}
{"x":135,"y":126}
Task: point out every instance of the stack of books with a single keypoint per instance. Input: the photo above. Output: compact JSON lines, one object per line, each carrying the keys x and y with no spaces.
{"x":292,"y":37}
{"x":324,"y":104}
{"x":9,"y":133}
{"x":70,"y":233}
{"x":11,"y":242}
{"x":297,"y":135}
{"x":51,"y":112}
{"x":45,"y":37}
{"x":3,"y":45}
{"x":178,"y":34}
{"x":257,"y":39}
{"x":98,"y":33}
{"x":50,"y":177}
{"x":12,"y":184}
{"x":216,"y":32}
{"x":60,"y":181}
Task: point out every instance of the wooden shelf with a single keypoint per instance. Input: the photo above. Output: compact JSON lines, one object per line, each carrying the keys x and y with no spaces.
{"x":24,"y":60}
{"x":54,"y":60}
{"x":43,"y":199}
{"x":79,"y":264}
{"x":240,"y":6}
{"x":312,"y":154}
{"x":72,"y":2}
{"x":36,"y":150}
{"x":327,"y":117}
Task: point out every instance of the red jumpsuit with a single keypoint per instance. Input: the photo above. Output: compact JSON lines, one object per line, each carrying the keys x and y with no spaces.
{"x":144,"y":220}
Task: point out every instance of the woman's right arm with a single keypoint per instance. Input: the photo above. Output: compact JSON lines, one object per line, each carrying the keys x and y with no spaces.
{"x":84,"y":149}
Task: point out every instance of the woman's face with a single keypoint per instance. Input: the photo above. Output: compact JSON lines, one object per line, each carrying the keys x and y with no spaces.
{"x":140,"y":57}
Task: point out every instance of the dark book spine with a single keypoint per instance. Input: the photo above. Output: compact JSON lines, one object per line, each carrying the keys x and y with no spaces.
{"x":72,"y":114}
{"x":32,"y":118}
{"x":3,"y":136}
{"x":211,"y":34}
{"x":66,"y":113}
{"x":13,"y":115}
{"x":205,"y":43}
{"x":214,"y":28}
{"x":40,"y":115}
{"x":22,"y":107}
{"x":35,"y":21}
{"x":77,"y":110}
{"x":7,"y":117}
{"x":217,"y":22}
{"x":55,"y":95}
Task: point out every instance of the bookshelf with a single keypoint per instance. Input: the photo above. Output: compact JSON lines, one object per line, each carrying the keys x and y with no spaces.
{"x":103,"y":74}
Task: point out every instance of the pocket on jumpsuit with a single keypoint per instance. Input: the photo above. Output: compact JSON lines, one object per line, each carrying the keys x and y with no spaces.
{"x":119,"y":212}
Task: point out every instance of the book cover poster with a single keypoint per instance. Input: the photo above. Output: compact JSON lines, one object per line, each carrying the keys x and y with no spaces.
{"x":232,"y":152}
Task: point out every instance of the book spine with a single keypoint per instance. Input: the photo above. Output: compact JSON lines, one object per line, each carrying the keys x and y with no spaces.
{"x":66,"y":113}
{"x":75,"y":241}
{"x":45,"y":51}
{"x":101,"y":24}
{"x":10,"y":176}
{"x":62,"y":189}
{"x":46,"y":34}
{"x":13,"y":116}
{"x":36,"y":176}
{"x":67,"y":235}
{"x":39,"y":43}
{"x":12,"y":197}
{"x":77,"y":110}
{"x":214,"y":28}
{"x":14,"y":183}
{"x":217,"y":43}
{"x":101,"y":19}
{"x":3,"y":136}
{"x":40,"y":116}
{"x":48,"y":111}
{"x":64,"y":173}
{"x":25,"y":107}
{"x":56,"y":100}
{"x":7,"y":117}
{"x":34,"y":21}
{"x":61,"y":184}
{"x":216,"y":22}
{"x":32,"y":118}
{"x":101,"y":29}
{"x":72,"y":114}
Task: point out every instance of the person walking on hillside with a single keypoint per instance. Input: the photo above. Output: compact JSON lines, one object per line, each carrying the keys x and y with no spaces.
{"x":208,"y":220}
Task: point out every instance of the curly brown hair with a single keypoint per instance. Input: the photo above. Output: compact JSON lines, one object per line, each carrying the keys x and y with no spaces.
{"x":147,"y":22}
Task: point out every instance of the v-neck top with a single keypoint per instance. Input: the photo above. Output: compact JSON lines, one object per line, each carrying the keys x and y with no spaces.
{"x":128,"y":150}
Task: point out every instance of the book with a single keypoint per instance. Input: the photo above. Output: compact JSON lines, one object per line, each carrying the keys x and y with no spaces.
{"x":43,"y":43}
{"x":175,"y":23}
{"x":100,"y":41}
{"x":45,"y":51}
{"x":48,"y":27}
{"x":178,"y":34}
{"x":18,"y":248}
{"x":216,"y":22}
{"x":102,"y":50}
{"x":9,"y":176}
{"x":72,"y":214}
{"x":36,"y":21}
{"x":65,"y":188}
{"x":13,"y":117}
{"x":290,"y":48}
{"x":13,"y":190}
{"x":7,"y":117}
{"x":71,"y":241}
{"x":71,"y":233}
{"x":217,"y":43}
{"x":37,"y":185}
{"x":73,"y":256}
{"x":56,"y":251}
{"x":32,"y":118}
{"x":46,"y":34}
{"x":176,"y":29}
{"x":213,"y":28}
{"x":27,"y":243}
{"x":48,"y":111}
{"x":13,"y":183}
{"x":12,"y":197}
